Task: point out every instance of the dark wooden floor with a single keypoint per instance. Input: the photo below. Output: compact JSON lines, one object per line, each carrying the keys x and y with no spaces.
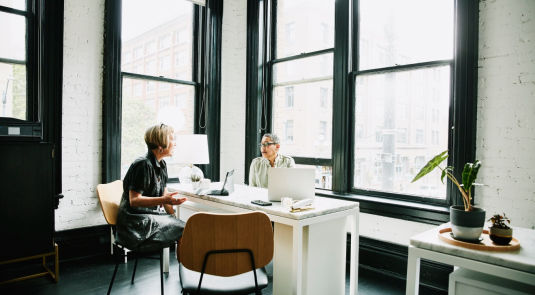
{"x":92,"y":276}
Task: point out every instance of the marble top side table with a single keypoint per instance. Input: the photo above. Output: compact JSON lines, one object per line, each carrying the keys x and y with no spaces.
{"x":516,"y":265}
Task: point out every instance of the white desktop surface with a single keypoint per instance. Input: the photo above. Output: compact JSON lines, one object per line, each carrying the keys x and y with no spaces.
{"x":310,"y":246}
{"x":518,"y":265}
{"x":243,"y":195}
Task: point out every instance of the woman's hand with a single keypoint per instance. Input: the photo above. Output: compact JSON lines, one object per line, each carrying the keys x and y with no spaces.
{"x":173,"y":199}
{"x":137,"y":200}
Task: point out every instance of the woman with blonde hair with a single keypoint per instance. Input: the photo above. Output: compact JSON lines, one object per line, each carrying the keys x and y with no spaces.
{"x":140,"y":226}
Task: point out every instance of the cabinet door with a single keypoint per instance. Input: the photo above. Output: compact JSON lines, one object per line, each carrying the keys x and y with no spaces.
{"x":26,"y":199}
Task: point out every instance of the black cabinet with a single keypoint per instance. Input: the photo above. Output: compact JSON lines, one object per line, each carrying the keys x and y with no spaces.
{"x":26,"y":199}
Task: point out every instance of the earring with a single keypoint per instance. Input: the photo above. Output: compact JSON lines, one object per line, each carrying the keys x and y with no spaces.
{"x":160,"y":150}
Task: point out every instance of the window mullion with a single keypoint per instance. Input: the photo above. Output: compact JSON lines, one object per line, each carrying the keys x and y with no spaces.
{"x":342,"y":102}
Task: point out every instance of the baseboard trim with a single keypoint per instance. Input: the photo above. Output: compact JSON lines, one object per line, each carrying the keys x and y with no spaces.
{"x":391,"y":260}
{"x":83,"y":242}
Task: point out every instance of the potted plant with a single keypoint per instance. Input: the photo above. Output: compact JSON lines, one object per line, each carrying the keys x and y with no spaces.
{"x":500,"y":233}
{"x":195,"y":180}
{"x":466,"y":221}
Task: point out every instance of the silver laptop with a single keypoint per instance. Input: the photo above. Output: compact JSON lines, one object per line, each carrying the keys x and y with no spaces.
{"x":295,"y":183}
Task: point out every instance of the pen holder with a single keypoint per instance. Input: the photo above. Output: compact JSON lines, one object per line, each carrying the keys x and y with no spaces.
{"x":205,"y":183}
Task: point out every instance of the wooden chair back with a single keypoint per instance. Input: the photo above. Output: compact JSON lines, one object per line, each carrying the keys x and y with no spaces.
{"x":109,"y":196}
{"x":210,"y":231}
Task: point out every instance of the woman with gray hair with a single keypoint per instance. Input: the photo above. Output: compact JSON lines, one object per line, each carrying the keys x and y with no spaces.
{"x":269,"y":147}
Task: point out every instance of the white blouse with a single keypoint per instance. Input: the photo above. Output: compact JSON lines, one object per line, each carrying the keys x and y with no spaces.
{"x":258,"y":173}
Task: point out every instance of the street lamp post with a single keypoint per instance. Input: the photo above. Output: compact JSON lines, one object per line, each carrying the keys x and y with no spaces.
{"x":4,"y":96}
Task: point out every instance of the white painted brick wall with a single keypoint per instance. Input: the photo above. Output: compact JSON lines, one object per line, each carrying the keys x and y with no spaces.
{"x":233,"y":79}
{"x":506,"y":109}
{"x":506,"y":113}
{"x":82,"y":114}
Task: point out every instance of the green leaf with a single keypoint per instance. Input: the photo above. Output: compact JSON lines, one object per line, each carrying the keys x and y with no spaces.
{"x":449,"y":168}
{"x":431,"y":165}
{"x":470,"y":174}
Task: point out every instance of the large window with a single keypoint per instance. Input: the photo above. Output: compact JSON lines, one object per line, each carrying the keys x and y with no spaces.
{"x":414,"y":41}
{"x":13,"y":59}
{"x":395,"y":86}
{"x":301,"y":89}
{"x":163,"y":20}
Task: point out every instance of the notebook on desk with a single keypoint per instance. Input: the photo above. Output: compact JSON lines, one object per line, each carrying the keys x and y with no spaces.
{"x":227,"y":189}
{"x":295,"y":183}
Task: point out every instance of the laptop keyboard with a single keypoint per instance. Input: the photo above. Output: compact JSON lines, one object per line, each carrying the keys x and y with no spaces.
{"x":216,"y":192}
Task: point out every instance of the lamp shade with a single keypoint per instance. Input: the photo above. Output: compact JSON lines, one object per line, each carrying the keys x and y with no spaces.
{"x":191,"y":149}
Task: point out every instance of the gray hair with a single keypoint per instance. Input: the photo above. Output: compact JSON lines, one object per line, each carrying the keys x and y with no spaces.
{"x":273,"y":137}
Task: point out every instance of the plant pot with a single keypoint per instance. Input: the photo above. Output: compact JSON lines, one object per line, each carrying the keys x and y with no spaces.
{"x":467,"y":225}
{"x":195,"y":185}
{"x":501,"y":236}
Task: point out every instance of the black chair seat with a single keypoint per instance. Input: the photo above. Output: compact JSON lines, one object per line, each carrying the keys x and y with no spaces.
{"x":240,"y":284}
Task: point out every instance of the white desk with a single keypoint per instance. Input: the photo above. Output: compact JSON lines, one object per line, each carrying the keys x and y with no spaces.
{"x":516,"y":265}
{"x":310,"y":246}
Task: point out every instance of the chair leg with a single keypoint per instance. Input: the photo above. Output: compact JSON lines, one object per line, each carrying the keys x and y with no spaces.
{"x":161,"y":269}
{"x":113,"y":277}
{"x":135,"y":267}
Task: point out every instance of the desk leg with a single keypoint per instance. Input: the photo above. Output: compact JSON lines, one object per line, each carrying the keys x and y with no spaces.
{"x":283,"y":260}
{"x":354,"y":260}
{"x":297,"y":265}
{"x":413,"y":272}
{"x":166,"y":260}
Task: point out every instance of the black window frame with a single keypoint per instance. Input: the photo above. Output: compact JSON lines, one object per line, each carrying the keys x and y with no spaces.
{"x":44,"y":73}
{"x":206,"y":78}
{"x":462,"y":107}
{"x":261,"y":36}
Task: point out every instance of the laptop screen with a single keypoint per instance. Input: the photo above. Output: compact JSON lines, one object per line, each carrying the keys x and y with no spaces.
{"x":295,"y":183}
{"x":229,"y":182}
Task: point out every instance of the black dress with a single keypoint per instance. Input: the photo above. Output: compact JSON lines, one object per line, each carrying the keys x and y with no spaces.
{"x":146,"y":229}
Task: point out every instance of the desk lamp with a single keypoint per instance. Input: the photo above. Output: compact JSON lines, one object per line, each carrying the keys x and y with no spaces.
{"x":191,"y":149}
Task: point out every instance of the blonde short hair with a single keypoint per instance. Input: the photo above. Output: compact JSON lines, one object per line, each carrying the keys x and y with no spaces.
{"x":158,"y":136}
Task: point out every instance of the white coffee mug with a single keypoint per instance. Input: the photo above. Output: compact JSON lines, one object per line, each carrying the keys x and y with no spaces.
{"x":205,"y":183}
{"x":286,"y":203}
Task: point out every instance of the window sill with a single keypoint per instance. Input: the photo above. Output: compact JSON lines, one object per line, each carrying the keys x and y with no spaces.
{"x":424,"y":213}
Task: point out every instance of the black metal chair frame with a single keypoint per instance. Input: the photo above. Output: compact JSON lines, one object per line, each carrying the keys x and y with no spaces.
{"x":228,"y":251}
{"x":138,"y":255}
